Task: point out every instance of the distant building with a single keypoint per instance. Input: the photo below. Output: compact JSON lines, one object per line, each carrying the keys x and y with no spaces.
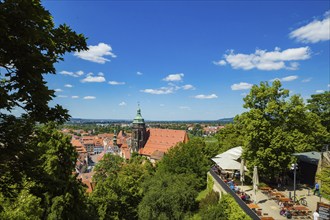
{"x":154,"y":142}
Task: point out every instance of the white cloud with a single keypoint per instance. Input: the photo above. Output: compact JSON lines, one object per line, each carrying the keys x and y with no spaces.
{"x":96,"y":53}
{"x":328,"y":85}
{"x":174,"y":77}
{"x":315,"y":31}
{"x":188,"y":87}
{"x":116,"y":83}
{"x":74,"y":74}
{"x":62,"y":96}
{"x":293,"y":66}
{"x":289,"y":78}
{"x":286,"y":79}
{"x":89,"y":97}
{"x":139,"y":73}
{"x":319,"y":91}
{"x":75,"y":97}
{"x":122,"y":104}
{"x":184,"y":108}
{"x":212,"y":96}
{"x":161,"y":105}
{"x":58,"y":90}
{"x":161,"y":91}
{"x":220,"y":63}
{"x":93,"y":79}
{"x":100,"y":74}
{"x":306,"y":80}
{"x":241,"y":86}
{"x":68,"y":85}
{"x":243,"y":94}
{"x":263,"y":60}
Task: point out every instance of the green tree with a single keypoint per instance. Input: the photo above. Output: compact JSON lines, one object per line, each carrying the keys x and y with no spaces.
{"x":118,"y":194}
{"x":25,"y":206}
{"x":187,"y":158}
{"x":168,"y":196}
{"x":109,"y":165}
{"x":227,"y":209}
{"x":63,"y":196}
{"x":229,"y":137}
{"x":324,"y":177}
{"x":320,"y":105}
{"x":275,"y":127}
{"x":30,"y":45}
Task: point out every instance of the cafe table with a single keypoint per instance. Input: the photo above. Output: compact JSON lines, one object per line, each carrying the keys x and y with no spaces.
{"x":267,"y":218}
{"x":300,"y":208}
{"x":253,"y":206}
{"x":284,"y":199}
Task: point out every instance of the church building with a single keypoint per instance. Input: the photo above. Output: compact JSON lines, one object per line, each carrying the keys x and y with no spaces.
{"x":154,"y":142}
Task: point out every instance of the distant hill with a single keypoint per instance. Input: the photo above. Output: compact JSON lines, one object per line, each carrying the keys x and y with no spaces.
{"x":111,"y":121}
{"x":226,"y":120}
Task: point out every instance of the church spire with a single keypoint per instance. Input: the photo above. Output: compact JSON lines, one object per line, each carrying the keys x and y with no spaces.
{"x":138,"y":118}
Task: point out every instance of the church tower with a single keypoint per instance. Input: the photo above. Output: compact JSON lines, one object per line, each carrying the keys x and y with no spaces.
{"x":139,"y":134}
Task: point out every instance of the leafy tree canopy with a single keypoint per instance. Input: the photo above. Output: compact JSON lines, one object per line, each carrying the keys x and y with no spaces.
{"x":168,"y":196}
{"x":119,"y":189}
{"x":320,"y":105}
{"x":276,"y":126}
{"x":187,"y":158}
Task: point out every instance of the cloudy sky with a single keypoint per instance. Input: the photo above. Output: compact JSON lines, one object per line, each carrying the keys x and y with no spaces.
{"x":187,"y":60}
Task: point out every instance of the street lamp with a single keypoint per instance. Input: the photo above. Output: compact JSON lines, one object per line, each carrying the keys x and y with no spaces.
{"x":294,"y":167}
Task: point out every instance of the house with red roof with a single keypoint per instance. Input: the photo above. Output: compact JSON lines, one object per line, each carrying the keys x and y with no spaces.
{"x":154,"y":142}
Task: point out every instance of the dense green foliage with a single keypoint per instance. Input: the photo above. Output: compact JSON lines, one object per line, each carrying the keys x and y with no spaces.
{"x":320,"y":105}
{"x":275,"y":127}
{"x":227,"y":209}
{"x":36,"y":164}
{"x":324,"y":177}
{"x":188,"y":158}
{"x":168,"y":196}
{"x":119,"y":189}
{"x":229,"y":137}
{"x":48,"y":183}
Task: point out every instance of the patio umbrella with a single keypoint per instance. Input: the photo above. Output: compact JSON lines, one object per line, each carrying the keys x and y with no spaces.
{"x":242,"y":171}
{"x":255,"y":181}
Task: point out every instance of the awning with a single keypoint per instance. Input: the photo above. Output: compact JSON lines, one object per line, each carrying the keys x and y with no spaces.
{"x":228,"y":164}
{"x":234,"y":153}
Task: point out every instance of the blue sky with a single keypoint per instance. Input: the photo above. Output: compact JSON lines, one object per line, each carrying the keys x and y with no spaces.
{"x":187,"y":60}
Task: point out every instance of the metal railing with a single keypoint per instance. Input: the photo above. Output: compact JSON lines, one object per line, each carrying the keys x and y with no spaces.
{"x":239,"y":201}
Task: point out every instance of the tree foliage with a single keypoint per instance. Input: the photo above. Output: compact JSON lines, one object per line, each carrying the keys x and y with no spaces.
{"x":36,"y":162}
{"x":168,"y":196}
{"x":229,"y":137}
{"x":320,"y":105}
{"x":187,"y":158}
{"x":275,"y":127}
{"x":119,"y":189}
{"x":324,"y":177}
{"x":227,"y":208}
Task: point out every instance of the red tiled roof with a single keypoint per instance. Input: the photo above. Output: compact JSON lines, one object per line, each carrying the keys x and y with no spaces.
{"x":162,"y":140}
{"x":78,"y":146}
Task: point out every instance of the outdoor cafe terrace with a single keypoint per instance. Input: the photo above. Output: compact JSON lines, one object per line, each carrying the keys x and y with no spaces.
{"x":266,"y":202}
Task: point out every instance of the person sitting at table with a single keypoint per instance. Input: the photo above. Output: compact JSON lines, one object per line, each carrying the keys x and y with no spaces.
{"x":243,"y":196}
{"x":236,"y":188}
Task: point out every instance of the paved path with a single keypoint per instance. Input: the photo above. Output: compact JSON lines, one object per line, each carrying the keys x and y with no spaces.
{"x":271,"y":206}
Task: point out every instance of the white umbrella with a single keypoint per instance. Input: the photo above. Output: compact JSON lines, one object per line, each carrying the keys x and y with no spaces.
{"x":242,"y":171}
{"x":255,"y":180}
